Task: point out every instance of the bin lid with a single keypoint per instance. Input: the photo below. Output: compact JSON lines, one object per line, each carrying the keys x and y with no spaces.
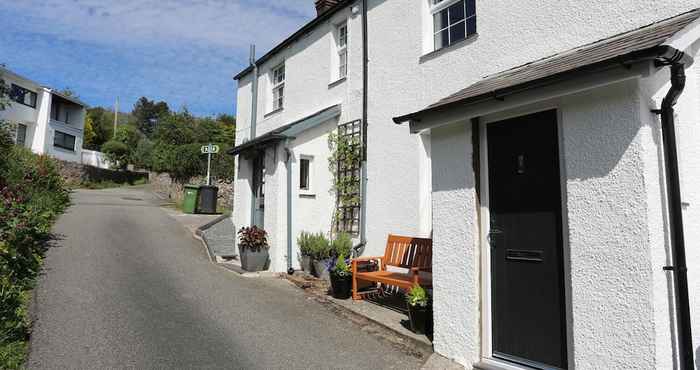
{"x":192,"y":187}
{"x":208,"y":187}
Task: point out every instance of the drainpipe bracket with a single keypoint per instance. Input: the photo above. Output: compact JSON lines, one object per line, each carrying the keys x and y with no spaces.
{"x":657,"y":111}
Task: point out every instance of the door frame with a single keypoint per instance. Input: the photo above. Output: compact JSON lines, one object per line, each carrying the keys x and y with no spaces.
{"x":485,"y":248}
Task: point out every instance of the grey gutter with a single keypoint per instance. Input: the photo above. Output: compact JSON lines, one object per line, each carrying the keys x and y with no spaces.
{"x":363,"y":166}
{"x":288,"y":166}
{"x":295,"y":36}
{"x":658,"y":52}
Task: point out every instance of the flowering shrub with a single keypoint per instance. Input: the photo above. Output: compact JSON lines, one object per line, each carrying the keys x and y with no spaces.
{"x":340,"y":267}
{"x":32,"y":195}
{"x":253,"y":238}
{"x":417,"y":296}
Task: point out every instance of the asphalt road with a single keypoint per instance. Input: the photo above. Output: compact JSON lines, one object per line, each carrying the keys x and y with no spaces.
{"x":127,"y":287}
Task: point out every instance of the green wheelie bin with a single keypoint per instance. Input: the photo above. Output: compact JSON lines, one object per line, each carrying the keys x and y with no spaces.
{"x":189,"y":204}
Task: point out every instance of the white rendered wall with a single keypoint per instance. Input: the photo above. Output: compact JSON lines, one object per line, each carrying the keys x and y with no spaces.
{"x":456,"y":291}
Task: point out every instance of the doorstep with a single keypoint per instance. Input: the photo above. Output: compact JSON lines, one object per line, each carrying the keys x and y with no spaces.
{"x":381,"y":321}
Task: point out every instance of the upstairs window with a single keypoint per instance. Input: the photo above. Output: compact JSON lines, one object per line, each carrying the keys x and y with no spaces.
{"x":23,"y":96}
{"x":453,"y":21}
{"x":278,"y":77}
{"x":342,"y":46}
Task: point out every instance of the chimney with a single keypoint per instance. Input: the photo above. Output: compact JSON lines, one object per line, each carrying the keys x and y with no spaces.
{"x":323,"y":6}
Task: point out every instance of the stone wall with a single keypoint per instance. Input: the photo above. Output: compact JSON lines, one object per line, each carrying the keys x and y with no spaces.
{"x":164,"y":185}
{"x":75,"y":174}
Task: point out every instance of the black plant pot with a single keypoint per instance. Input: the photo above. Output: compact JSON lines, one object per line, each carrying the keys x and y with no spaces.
{"x":341,"y":285}
{"x":420,"y":319}
{"x":254,"y":260}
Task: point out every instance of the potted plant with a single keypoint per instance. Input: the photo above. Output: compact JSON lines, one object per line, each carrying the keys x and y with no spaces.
{"x":341,"y":245}
{"x":321,"y":251}
{"x":305,"y":242}
{"x":253,"y":248}
{"x":419,"y":310}
{"x":341,"y":279}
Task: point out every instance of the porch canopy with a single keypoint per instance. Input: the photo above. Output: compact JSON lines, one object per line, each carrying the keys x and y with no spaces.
{"x":649,"y":43}
{"x":288,"y":131}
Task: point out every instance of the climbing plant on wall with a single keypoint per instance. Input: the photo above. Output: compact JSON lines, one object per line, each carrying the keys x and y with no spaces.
{"x":344,"y":163}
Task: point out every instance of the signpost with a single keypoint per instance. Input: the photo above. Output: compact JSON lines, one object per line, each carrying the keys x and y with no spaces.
{"x":209,"y":150}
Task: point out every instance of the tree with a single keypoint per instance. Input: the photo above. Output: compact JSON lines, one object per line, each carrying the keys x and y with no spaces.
{"x":102,"y":122}
{"x":89,"y":134}
{"x":117,"y":154}
{"x":147,"y":114}
{"x":67,"y":91}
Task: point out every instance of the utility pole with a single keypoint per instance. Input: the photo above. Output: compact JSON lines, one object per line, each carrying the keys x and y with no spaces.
{"x":116,"y":115}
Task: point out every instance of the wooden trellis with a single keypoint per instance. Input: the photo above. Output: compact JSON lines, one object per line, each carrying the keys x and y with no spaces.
{"x":348,"y":212}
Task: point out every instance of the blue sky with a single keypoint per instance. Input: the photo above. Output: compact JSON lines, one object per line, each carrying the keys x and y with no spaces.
{"x":184,"y":52}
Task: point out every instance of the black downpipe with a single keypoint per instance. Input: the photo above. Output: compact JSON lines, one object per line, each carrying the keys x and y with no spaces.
{"x":363,"y":197}
{"x":679,"y":268}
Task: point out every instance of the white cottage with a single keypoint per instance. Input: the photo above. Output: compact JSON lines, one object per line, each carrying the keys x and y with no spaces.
{"x":560,"y":221}
{"x":553,"y":166}
{"x":46,"y":121}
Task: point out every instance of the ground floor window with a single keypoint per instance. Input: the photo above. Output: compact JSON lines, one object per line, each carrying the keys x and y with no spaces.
{"x":305,"y":173}
{"x":64,"y":141}
{"x":21,"y":135}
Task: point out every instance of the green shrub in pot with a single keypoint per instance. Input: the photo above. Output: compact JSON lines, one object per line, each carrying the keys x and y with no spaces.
{"x":420,"y":311}
{"x":341,"y":245}
{"x":341,"y":278}
{"x":305,"y":242}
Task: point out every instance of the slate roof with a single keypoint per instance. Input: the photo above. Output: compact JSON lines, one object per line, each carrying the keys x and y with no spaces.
{"x":636,"y":45}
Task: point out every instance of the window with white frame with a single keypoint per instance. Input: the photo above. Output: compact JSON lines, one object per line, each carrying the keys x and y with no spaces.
{"x":21,"y":138}
{"x":278,"y":77}
{"x":453,"y":21}
{"x":305,"y":173}
{"x":342,"y":48}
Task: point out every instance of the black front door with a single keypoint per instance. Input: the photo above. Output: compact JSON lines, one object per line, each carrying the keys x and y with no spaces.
{"x":527,"y":283}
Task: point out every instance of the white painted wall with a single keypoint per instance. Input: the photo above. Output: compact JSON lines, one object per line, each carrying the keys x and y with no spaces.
{"x":621,"y":191}
{"x":94,"y":158}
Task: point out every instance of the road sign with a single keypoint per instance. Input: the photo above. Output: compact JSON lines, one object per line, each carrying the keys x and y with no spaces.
{"x":210,"y":149}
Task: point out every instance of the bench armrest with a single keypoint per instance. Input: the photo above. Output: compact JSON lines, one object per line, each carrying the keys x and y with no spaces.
{"x":362,"y":259}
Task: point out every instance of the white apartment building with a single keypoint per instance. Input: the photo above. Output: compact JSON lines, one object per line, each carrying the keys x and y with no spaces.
{"x":46,"y":121}
{"x":535,"y":156}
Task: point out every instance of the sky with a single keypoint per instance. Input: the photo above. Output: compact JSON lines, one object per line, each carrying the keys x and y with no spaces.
{"x":184,"y":52}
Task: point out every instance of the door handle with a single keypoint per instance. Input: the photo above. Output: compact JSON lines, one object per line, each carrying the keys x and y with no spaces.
{"x":493,"y":232}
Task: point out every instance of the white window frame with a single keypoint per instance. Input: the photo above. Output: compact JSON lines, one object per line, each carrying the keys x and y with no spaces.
{"x":310,"y":185}
{"x":437,"y":8}
{"x":342,"y":49}
{"x":277,"y":90}
{"x":24,"y":128}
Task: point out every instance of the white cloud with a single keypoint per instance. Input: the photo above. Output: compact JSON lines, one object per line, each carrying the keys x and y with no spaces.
{"x":230,"y":24}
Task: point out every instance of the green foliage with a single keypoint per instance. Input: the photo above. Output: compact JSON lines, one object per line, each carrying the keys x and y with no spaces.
{"x":128,"y":135}
{"x":32,"y":195}
{"x":305,"y":242}
{"x":320,"y":247}
{"x":141,"y":156}
{"x":102,"y":124}
{"x":89,"y":134}
{"x":341,"y":267}
{"x":345,"y":154}
{"x":417,"y":296}
{"x":147,"y":114}
{"x":341,"y":245}
{"x":117,"y":153}
{"x":253,"y":238}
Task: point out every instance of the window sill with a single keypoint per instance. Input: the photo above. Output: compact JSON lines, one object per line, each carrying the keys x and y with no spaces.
{"x":459,"y":44}
{"x":62,"y":149}
{"x":494,"y":364}
{"x":337,"y":82}
{"x":269,"y":114}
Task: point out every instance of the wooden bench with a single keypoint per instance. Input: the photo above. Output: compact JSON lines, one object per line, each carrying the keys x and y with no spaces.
{"x":413,"y":254}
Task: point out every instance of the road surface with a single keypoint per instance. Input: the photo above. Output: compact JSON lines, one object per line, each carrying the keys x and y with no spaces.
{"x":127,"y":287}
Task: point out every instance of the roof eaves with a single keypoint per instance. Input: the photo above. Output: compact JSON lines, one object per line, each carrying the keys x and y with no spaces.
{"x":295,"y":36}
